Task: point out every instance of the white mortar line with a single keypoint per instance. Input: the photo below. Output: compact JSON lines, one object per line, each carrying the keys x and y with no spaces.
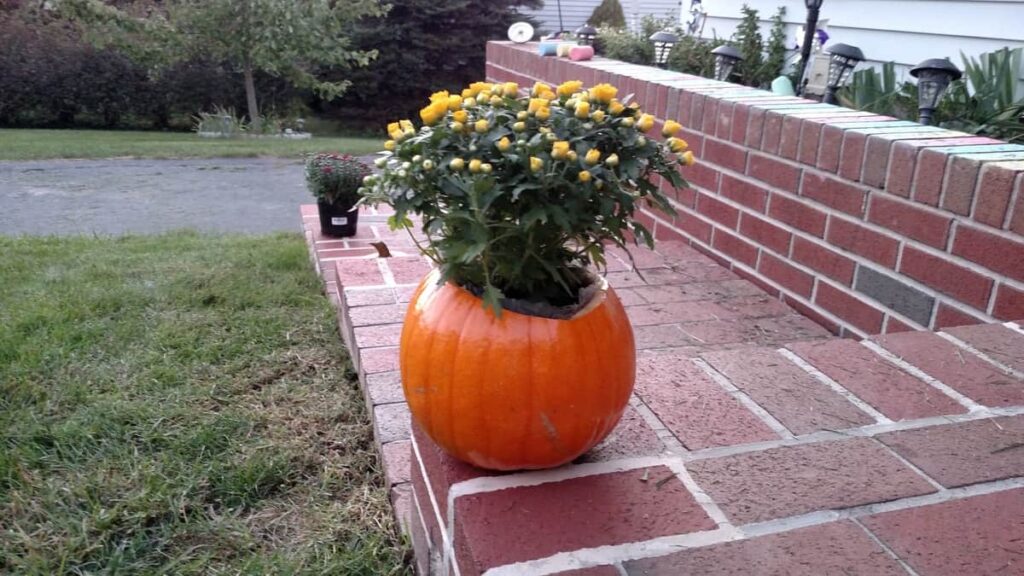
{"x":385,"y":271}
{"x":836,"y":386}
{"x":958,"y":342}
{"x":920,"y":374}
{"x":703,"y":499}
{"x":744,"y":399}
{"x":924,"y":475}
{"x":906,"y":567}
{"x":449,"y":549}
{"x":668,"y":439}
{"x":1015,"y":327}
{"x":601,"y":555}
{"x":621,"y":570}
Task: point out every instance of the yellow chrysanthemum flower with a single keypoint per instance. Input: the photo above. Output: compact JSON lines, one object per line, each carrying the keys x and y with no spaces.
{"x":467,"y":93}
{"x":604,"y":93}
{"x":510,"y":89}
{"x":460,"y":116}
{"x":670,"y":128}
{"x":442,"y":95}
{"x":394,"y":131}
{"x":478,"y":87}
{"x":454,"y":102}
{"x":548,"y":95}
{"x":504,"y":144}
{"x":389,"y":145}
{"x":434,"y":112}
{"x":457,"y":164}
{"x":536,"y":164}
{"x":645,"y":123}
{"x":539,"y":88}
{"x":593,"y":156}
{"x":543,"y":114}
{"x":481,"y":126}
{"x":536,"y":104}
{"x":566,"y":89}
{"x":584,"y":176}
{"x":677,"y":145}
{"x":497,"y":101}
{"x":597,"y":116}
{"x":616,"y":107}
{"x":582,"y":109}
{"x":560,"y":149}
{"x":474,"y":165}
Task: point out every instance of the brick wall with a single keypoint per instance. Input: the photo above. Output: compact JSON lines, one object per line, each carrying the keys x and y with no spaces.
{"x":865,"y":223}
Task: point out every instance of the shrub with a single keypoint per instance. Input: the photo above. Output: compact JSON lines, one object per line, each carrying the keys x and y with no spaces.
{"x":693,"y":55}
{"x":518,"y":196}
{"x":335,"y":178}
{"x":609,"y":14}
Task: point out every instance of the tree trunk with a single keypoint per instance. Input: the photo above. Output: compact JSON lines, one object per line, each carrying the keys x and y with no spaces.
{"x":250,"y":98}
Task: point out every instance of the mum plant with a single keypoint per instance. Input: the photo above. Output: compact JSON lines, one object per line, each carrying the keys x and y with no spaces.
{"x":519,"y":195}
{"x":335,"y":180}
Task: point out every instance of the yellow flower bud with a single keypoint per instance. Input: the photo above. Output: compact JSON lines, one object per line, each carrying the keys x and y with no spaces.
{"x":481,"y":99}
{"x":670,"y":128}
{"x":511,"y":89}
{"x":584,"y":176}
{"x":641,"y":141}
{"x":560,"y":149}
{"x":394,"y":131}
{"x":616,"y":107}
{"x":478,"y":87}
{"x":457,"y":164}
{"x":522,"y":115}
{"x":582,"y":97}
{"x":519,"y":126}
{"x":543,"y":114}
{"x":645,"y":123}
{"x":458,"y":127}
{"x":612,"y":160}
{"x":474,"y":165}
{"x":583,"y":109}
{"x":467,"y":93}
{"x":536,"y":104}
{"x":496,"y":101}
{"x":597,"y":116}
{"x":548,"y":95}
{"x":549,"y":135}
{"x":677,"y":144}
{"x":486,"y":168}
{"x":593,"y":156}
{"x":599,"y":184}
{"x":389,"y":145}
{"x":454,"y":102}
{"x":571,"y":156}
{"x":460,"y":116}
{"x":469,"y":102}
{"x":428,"y":165}
{"x":571,"y":103}
{"x":628,"y":122}
{"x":481,"y":126}
{"x":504,"y":144}
{"x":569,"y":88}
{"x":496,"y":90}
{"x":603,"y":93}
{"x":539,"y":88}
{"x":687,"y":158}
{"x":536,"y":164}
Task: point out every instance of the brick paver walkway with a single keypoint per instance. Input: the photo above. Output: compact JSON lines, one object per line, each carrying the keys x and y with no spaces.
{"x":755,"y":443}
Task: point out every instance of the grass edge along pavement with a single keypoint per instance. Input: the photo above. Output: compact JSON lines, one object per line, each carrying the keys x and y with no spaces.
{"x":181,"y":404}
{"x":35,"y":144}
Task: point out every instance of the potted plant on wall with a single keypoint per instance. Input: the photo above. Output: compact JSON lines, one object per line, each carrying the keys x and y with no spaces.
{"x":334,"y":179}
{"x":515,"y":354}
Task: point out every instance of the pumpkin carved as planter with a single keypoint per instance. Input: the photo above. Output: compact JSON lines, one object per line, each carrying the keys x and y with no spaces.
{"x":515,"y":392}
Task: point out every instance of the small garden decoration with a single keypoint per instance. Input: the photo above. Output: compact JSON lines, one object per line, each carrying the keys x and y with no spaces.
{"x":335,"y":179}
{"x":514,"y":353}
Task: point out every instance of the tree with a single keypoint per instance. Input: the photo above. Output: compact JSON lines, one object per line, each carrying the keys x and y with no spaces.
{"x":293,"y":39}
{"x":751,"y":45}
{"x":609,"y":13}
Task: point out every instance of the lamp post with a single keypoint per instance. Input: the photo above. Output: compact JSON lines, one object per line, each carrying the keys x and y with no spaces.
{"x":813,"y":10}
{"x":586,"y":34}
{"x":663,"y":42}
{"x":842,"y":59}
{"x":933,"y":77}
{"x":726,"y":58}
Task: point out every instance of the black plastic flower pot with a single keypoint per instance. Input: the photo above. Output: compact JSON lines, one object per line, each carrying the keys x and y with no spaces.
{"x":337,"y":219}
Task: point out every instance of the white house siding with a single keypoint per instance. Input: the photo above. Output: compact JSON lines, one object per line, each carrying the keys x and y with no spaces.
{"x":576,"y":12}
{"x":903,"y":31}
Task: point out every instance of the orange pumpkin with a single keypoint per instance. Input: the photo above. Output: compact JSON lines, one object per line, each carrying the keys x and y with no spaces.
{"x":515,"y":392}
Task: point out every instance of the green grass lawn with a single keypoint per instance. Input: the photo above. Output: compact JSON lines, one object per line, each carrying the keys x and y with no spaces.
{"x":181,"y":404}
{"x":17,"y":144}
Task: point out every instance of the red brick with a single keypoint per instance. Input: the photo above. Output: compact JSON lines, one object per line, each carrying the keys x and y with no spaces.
{"x":592,"y":571}
{"x":798,"y":214}
{"x":961,"y":177}
{"x":526,"y":523}
{"x":738,"y":133}
{"x":928,"y":178}
{"x":755,"y":127}
{"x":774,"y":172}
{"x":371,"y":297}
{"x":359,"y":273}
{"x":888,"y":389}
{"x":995,"y":187}
{"x":702,"y":175}
{"x":723,"y":122}
{"x":718,"y":211}
{"x":391,"y":422}
{"x":831,"y":146}
{"x":672,"y":312}
{"x":699,"y":412}
{"x":397,"y":456}
{"x":956,"y":368}
{"x":795,"y":398}
{"x":893,"y":325}
{"x":997,"y":253}
{"x":876,"y":161}
{"x":794,"y":480}
{"x":384,"y":388}
{"x":693,"y":226}
{"x":964,"y":453}
{"x":909,"y":220}
{"x":630,"y":438}
{"x":836,"y":548}
{"x":949,"y":316}
{"x":408,"y":270}
{"x":786,"y":275}
{"x":849,"y":308}
{"x":373,"y":360}
{"x":995,"y":341}
{"x":734,"y":247}
{"x":863,"y":241}
{"x":978,"y":535}
{"x":378,"y":335}
{"x":374,"y":315}
{"x":753,"y":307}
{"x":443,"y":470}
{"x":812,"y":314}
{"x":901,"y":169}
{"x":743,"y":192}
{"x":810,"y":137}
{"x":834,"y":193}
{"x":851,"y":161}
{"x":824,"y":260}
{"x":728,"y":155}
{"x":1016,"y":223}
{"x":951,"y":279}
{"x":764,"y":232}
{"x":717,"y":291}
{"x":789,"y":142}
{"x":1009,"y":303}
{"x":772,"y":132}
{"x":710,"y":113}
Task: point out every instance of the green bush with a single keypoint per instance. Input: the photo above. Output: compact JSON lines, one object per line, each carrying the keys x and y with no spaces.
{"x":693,"y":55}
{"x":608,"y":13}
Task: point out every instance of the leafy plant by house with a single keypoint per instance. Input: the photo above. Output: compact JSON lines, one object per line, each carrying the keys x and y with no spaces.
{"x":520,"y":195}
{"x":750,"y":44}
{"x":335,"y":178}
{"x":775,"y":60}
{"x":692,"y":55}
{"x":608,"y":13}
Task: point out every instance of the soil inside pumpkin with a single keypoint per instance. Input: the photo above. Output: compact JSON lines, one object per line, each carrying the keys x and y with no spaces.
{"x":544,"y":309}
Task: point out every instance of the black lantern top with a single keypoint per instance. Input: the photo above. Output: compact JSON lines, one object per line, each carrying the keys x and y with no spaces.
{"x":726,"y":58}
{"x":586,"y":34}
{"x":663,"y":43}
{"x":842,"y":59}
{"x":933,"y":77}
